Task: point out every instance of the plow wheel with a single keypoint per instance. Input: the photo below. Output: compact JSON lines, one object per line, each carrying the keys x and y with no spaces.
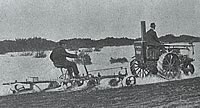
{"x":80,"y":82}
{"x":114,"y":82}
{"x":130,"y":81}
{"x":168,"y":66}
{"x":139,"y":69}
{"x":74,"y":82}
{"x":92,"y":82}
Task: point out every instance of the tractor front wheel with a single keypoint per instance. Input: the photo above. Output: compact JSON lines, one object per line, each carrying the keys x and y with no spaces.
{"x":188,"y":69}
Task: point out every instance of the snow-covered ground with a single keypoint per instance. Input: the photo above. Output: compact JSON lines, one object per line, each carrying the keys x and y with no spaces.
{"x":15,"y":67}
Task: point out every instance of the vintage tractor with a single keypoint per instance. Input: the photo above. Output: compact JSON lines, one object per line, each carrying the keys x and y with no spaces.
{"x":166,"y":61}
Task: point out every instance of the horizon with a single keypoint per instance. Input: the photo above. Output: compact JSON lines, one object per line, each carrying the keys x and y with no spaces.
{"x":91,"y":38}
{"x":67,"y":39}
{"x":58,"y":20}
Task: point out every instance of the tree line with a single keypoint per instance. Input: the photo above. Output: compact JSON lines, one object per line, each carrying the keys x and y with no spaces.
{"x":170,"y":38}
{"x":41,"y":44}
{"x":89,"y":43}
{"x":30,"y":44}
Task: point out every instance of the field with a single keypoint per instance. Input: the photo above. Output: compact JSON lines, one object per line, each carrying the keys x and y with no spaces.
{"x":182,"y":94}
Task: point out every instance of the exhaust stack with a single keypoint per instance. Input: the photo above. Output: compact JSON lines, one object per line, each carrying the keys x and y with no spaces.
{"x":143,"y":29}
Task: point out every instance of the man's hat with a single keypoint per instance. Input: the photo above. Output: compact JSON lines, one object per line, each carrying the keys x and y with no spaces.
{"x":152,"y":25}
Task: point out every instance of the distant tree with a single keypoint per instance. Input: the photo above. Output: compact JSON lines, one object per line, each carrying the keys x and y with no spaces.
{"x":30,"y":44}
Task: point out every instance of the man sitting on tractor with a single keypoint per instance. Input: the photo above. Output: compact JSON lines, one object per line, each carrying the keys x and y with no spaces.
{"x":155,"y":47}
{"x":151,"y":36}
{"x":58,"y":57}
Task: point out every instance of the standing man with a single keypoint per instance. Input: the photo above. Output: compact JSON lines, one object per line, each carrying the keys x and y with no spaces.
{"x":151,"y":36}
{"x":58,"y":57}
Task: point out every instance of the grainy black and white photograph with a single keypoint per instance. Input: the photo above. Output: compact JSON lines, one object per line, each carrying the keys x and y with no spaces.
{"x":99,"y":53}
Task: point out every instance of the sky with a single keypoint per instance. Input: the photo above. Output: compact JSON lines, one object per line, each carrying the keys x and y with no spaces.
{"x":96,"y":19}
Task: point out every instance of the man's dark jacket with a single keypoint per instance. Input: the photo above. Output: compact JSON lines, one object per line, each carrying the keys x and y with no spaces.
{"x":151,"y":38}
{"x":59,"y":55}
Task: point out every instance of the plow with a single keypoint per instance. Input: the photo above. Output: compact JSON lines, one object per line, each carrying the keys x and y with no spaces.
{"x":67,"y":83}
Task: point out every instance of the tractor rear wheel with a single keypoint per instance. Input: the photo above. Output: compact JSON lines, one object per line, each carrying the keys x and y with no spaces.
{"x":168,"y":66}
